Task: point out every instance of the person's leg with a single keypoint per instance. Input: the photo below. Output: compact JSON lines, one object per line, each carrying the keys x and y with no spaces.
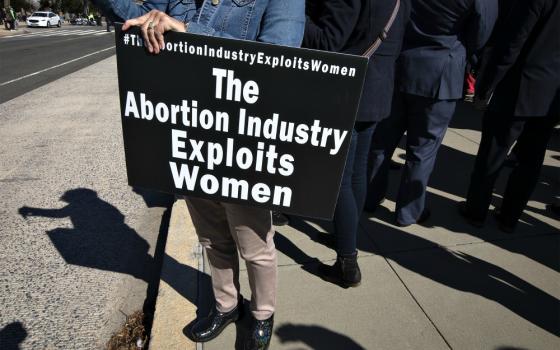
{"x":211,"y":224}
{"x":345,"y":217}
{"x":252,"y":230}
{"x":427,"y":121}
{"x":385,"y":140}
{"x":359,"y":176}
{"x":499,"y":132}
{"x":531,"y":149}
{"x":210,"y":221}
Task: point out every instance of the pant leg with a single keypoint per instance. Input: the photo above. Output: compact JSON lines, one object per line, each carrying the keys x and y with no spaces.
{"x":213,"y":230}
{"x":427,"y":121}
{"x":499,"y":132}
{"x":384,"y":141}
{"x":253,"y":232}
{"x":353,"y":188}
{"x":359,"y":176}
{"x":345,"y":217}
{"x":530,"y":153}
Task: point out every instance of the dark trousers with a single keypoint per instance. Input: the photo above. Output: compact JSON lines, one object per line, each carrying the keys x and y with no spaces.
{"x":499,"y":132}
{"x":425,"y":121}
{"x":353,"y":188}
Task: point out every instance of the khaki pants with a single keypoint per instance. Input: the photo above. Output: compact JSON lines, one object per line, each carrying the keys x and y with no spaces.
{"x":223,"y":229}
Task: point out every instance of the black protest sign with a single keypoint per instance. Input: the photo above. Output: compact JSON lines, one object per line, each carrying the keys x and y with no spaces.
{"x":238,"y":121}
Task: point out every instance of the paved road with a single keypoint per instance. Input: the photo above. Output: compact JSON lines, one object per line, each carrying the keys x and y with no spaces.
{"x":78,"y":246}
{"x":36,"y":56}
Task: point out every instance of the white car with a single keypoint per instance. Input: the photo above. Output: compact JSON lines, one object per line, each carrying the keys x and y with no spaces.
{"x":43,"y":19}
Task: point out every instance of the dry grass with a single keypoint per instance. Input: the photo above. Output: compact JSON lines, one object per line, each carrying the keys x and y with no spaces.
{"x":132,"y":335}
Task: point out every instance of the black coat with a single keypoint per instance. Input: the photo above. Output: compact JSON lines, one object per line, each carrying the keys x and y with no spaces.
{"x":351,"y":26}
{"x":524,"y":68}
{"x":440,"y":36}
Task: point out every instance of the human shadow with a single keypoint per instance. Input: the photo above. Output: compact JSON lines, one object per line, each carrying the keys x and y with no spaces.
{"x":467,"y":273}
{"x":100,"y":239}
{"x":12,"y":335}
{"x":315,"y":337}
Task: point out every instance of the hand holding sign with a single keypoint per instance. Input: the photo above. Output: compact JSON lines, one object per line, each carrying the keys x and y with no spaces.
{"x":153,"y":24}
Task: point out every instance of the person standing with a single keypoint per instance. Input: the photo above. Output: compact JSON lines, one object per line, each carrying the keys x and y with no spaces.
{"x":521,"y":81}
{"x":12,"y":18}
{"x":352,"y":26}
{"x":430,"y":72}
{"x":224,"y":229}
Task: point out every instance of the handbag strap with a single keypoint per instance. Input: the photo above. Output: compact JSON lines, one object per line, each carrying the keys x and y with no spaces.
{"x":371,"y":50}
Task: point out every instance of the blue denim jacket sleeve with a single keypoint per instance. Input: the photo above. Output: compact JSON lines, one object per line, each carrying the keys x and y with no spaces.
{"x":283,"y":23}
{"x":121,"y":10}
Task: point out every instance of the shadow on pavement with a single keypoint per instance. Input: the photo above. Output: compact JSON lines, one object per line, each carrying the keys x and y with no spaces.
{"x":467,"y":273}
{"x":100,"y":239}
{"x":315,"y":337}
{"x":12,"y":335}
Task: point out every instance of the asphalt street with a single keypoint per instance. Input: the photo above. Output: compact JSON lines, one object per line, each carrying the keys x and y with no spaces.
{"x":32,"y":57}
{"x":80,"y":249}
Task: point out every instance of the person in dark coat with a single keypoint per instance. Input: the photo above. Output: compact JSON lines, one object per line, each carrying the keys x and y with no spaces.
{"x":522,"y":82}
{"x":430,"y":72}
{"x":352,"y":26}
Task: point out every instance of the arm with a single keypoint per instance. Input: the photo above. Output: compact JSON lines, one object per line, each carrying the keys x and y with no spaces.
{"x":121,"y":10}
{"x":282,"y":24}
{"x":331,"y":30}
{"x":523,"y":18}
{"x":481,"y":24}
{"x":49,"y":213}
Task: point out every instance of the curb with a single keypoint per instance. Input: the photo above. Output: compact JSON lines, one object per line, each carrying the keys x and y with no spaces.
{"x":178,"y":287}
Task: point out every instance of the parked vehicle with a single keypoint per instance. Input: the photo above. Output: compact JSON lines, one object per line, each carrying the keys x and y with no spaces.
{"x":44,"y":19}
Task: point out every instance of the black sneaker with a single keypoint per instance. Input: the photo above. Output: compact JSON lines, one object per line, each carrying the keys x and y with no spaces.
{"x":260,"y":334}
{"x":279,"y":219}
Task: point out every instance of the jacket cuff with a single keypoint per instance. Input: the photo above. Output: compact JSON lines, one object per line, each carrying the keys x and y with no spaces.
{"x":197,"y":28}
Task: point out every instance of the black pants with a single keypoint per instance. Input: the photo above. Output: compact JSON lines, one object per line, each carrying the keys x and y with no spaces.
{"x":499,"y":132}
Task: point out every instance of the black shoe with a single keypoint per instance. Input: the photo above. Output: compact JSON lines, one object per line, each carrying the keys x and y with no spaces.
{"x":279,"y":219}
{"x":554,"y":208}
{"x":426,"y":213}
{"x":464,"y":212}
{"x":394,"y":165}
{"x":370,"y":209}
{"x":345,"y":272}
{"x":503,"y":225}
{"x":211,"y":326}
{"x":260,"y":334}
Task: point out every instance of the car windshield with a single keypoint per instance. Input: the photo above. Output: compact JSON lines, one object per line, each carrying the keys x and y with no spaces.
{"x":39,"y":14}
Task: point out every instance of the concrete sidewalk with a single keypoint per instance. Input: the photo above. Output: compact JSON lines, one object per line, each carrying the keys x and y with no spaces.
{"x":443,"y":285}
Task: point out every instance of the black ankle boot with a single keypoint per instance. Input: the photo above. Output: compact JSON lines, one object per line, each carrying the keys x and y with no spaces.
{"x":211,"y":326}
{"x":345,"y":271}
{"x":260,"y":334}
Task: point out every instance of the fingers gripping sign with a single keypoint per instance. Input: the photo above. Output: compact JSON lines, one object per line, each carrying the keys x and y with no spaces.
{"x":153,"y":25}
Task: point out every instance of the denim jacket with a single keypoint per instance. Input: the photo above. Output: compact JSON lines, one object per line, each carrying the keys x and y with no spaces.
{"x":273,"y":21}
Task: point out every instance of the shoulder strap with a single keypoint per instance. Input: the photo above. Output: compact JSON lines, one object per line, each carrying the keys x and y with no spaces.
{"x":371,"y":50}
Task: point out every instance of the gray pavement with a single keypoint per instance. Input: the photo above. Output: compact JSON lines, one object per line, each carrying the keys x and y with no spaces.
{"x":443,"y":285}
{"x":77,"y":243}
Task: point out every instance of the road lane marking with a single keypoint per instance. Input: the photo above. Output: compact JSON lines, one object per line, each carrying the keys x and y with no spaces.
{"x":55,"y":32}
{"x":53,"y":67}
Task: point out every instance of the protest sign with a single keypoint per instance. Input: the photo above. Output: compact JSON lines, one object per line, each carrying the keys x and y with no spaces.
{"x":238,"y":121}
